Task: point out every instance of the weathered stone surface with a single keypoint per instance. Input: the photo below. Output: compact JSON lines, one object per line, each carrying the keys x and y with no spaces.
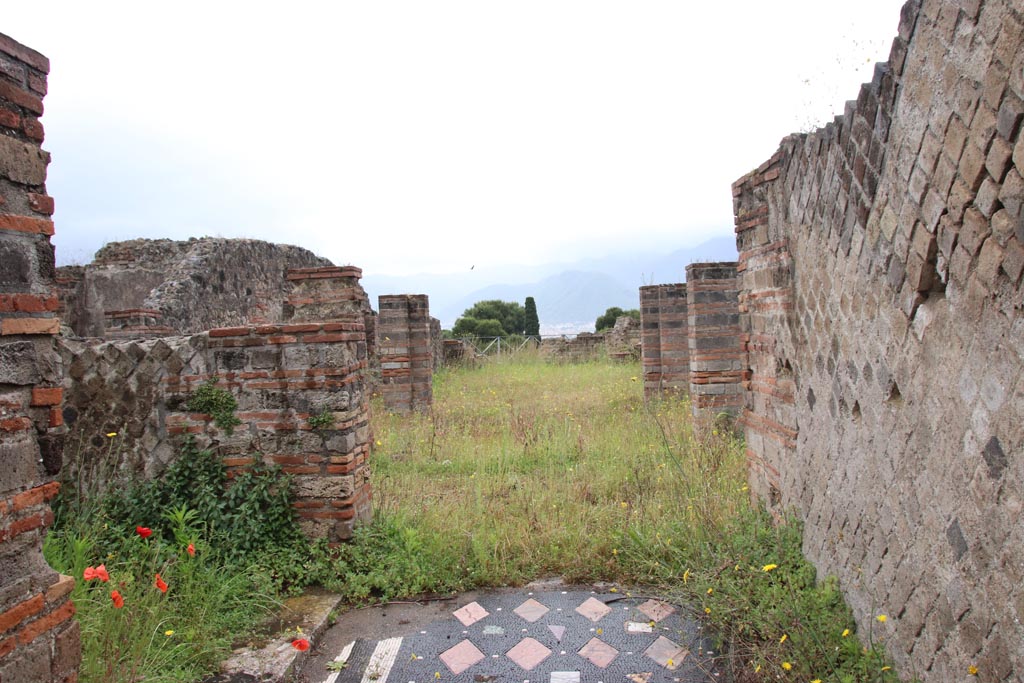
{"x":22,"y":162}
{"x":906,"y":437}
{"x":195,"y":285}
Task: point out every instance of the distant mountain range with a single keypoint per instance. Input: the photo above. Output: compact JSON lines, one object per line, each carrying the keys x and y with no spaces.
{"x":570,"y":295}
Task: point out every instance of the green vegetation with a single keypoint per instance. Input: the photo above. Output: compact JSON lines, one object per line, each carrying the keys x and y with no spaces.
{"x":322,"y":420}
{"x":217,"y":403}
{"x":531,"y":325}
{"x":607,"y":320}
{"x":525,"y":469}
{"x":183,"y":531}
{"x":493,"y":318}
{"x":521,"y":470}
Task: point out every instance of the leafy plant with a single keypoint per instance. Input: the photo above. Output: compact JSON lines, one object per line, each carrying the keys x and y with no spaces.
{"x":216,"y":402}
{"x":323,"y":420}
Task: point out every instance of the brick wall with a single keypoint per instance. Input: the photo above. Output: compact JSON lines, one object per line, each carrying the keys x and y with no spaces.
{"x":38,"y":639}
{"x":713,"y":325}
{"x":281,"y":375}
{"x":406,"y":358}
{"x":665,"y":342}
{"x":880,"y":280}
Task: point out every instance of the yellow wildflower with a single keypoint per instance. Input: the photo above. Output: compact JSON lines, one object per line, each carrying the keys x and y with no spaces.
{"x":670,"y":663}
{"x":886,"y":668}
{"x":768,"y":567}
{"x":846,"y":632}
{"x":707,"y":610}
{"x":169,"y":632}
{"x":615,"y":551}
{"x":783,"y":638}
{"x":686,"y":576}
{"x":816,"y":680}
{"x":710,"y":591}
{"x":600,"y":631}
{"x":972,"y":670}
{"x":111,"y":435}
{"x":787,"y":666}
{"x":881,"y":618}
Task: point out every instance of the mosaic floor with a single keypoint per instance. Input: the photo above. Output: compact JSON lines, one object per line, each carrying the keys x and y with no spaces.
{"x":540,"y":637}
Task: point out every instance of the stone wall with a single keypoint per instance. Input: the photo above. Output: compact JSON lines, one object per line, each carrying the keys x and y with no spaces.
{"x":280,"y":374}
{"x":880,"y":279}
{"x":665,"y":344}
{"x":622,"y":342}
{"x":406,"y":357}
{"x":436,"y":345}
{"x":196,"y":285}
{"x":585,"y":346}
{"x":38,"y":639}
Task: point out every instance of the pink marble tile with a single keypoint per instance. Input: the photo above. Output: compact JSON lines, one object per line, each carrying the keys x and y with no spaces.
{"x":593,"y":609}
{"x":531,"y":610}
{"x":528,"y":653}
{"x":461,"y":657}
{"x":656,"y":609}
{"x":470,"y":614}
{"x":666,"y":653}
{"x":599,"y":652}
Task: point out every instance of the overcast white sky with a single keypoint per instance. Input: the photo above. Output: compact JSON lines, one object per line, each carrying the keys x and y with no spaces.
{"x":430,"y":135}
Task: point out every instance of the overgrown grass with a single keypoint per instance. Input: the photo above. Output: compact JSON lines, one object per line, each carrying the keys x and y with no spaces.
{"x":524,"y":470}
{"x":521,"y":470}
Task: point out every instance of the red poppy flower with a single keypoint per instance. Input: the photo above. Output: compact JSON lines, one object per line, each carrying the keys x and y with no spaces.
{"x":144,"y":531}
{"x":118,"y":600}
{"x":99,"y":572}
{"x":191,"y":549}
{"x":300,"y":644}
{"x":160,"y":584}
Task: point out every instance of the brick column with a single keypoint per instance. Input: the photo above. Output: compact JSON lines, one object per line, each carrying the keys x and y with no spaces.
{"x":405,"y":352}
{"x":284,"y":376}
{"x":716,"y":354}
{"x":331,"y":293}
{"x":666,"y":349}
{"x":38,"y":639}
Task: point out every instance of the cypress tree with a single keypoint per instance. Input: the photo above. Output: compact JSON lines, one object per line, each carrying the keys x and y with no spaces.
{"x":532,"y":327}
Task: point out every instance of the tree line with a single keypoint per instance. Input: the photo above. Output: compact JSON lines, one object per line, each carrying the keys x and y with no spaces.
{"x":496,"y":318}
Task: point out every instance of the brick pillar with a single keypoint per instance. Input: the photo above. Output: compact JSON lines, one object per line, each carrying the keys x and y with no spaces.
{"x":716,"y":353}
{"x":405,"y":352}
{"x":331,"y":293}
{"x":666,"y":349}
{"x":135,"y":323}
{"x":39,"y":640}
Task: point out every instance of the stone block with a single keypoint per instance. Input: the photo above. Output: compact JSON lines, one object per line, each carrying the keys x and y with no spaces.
{"x":997,"y":162}
{"x":21,"y":162}
{"x":324,"y":487}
